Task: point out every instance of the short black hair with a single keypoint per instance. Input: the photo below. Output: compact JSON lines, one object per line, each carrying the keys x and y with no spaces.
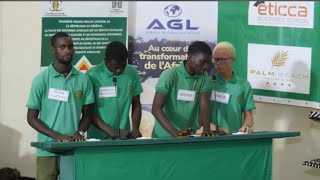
{"x":58,"y":35}
{"x":199,"y":47}
{"x":7,"y":173}
{"x":116,"y":51}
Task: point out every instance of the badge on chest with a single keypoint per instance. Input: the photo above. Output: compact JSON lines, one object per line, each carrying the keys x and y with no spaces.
{"x":105,"y":92}
{"x":58,"y":94}
{"x":220,"y":97}
{"x":186,"y":95}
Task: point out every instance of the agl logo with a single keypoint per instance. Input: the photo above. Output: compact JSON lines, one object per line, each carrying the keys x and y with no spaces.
{"x":273,"y":9}
{"x":173,"y":24}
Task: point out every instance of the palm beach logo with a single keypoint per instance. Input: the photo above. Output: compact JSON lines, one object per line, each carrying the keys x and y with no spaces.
{"x":55,"y":5}
{"x":280,"y":58}
{"x":172,"y":10}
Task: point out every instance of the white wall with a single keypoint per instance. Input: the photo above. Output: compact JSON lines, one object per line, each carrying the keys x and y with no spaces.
{"x":20,"y":62}
{"x":288,"y":153}
{"x":21,"y":40}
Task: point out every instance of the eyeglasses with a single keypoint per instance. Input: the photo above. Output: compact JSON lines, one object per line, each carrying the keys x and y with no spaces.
{"x":220,"y":60}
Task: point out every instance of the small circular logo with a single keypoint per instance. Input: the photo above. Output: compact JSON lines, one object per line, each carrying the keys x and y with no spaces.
{"x":79,"y":93}
{"x":55,"y":5}
{"x":172,"y":10}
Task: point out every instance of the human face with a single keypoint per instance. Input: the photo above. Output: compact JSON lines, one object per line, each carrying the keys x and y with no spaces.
{"x":200,"y":63}
{"x":63,"y":50}
{"x":115,"y":67}
{"x":222,"y":61}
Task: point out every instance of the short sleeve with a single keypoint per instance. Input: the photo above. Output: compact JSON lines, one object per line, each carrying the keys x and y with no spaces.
{"x":248,"y":98}
{"x":137,"y":83}
{"x":36,"y":94}
{"x":88,"y":96}
{"x":165,"y":82}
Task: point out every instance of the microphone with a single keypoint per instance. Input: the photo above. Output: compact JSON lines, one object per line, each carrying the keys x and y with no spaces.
{"x":214,"y":78}
{"x":114,"y":80}
{"x":216,"y":132}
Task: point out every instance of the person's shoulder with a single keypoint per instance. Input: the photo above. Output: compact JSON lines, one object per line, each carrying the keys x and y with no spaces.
{"x":42,"y":77}
{"x":131,"y":69}
{"x":171,"y":71}
{"x":81,"y":76}
{"x":206,"y":75}
{"x":96,"y":69}
{"x":242,"y":81}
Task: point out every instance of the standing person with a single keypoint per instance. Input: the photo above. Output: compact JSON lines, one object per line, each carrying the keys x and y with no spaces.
{"x":60,"y":95}
{"x":232,"y":110}
{"x":182,"y":95}
{"x":116,"y":87}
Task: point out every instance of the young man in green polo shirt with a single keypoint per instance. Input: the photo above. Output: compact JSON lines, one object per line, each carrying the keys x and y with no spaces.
{"x":231,"y":99}
{"x":60,"y":95}
{"x":182,"y":95}
{"x":116,"y":87}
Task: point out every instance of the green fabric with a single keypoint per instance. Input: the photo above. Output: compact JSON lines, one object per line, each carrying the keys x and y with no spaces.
{"x":63,"y":117}
{"x":47,"y":168}
{"x":128,"y":85}
{"x":247,"y":156}
{"x":182,"y":114}
{"x":66,"y":148}
{"x":231,"y":160}
{"x":241,"y":100}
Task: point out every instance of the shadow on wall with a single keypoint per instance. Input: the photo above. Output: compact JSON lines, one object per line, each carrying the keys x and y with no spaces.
{"x":10,"y":144}
{"x":309,"y":134}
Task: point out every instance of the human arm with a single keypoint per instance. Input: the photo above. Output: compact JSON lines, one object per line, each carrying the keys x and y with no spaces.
{"x":37,"y":124}
{"x":247,"y":125}
{"x":204,"y":114}
{"x":136,"y":116}
{"x":87,"y":115}
{"x":157,"y":111}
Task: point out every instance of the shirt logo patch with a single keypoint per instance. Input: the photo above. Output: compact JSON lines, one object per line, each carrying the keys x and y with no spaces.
{"x":130,"y":89}
{"x":240,"y":99}
{"x":79,"y":93}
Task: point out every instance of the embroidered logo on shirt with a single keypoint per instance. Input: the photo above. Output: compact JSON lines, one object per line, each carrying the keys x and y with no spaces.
{"x":240,"y":99}
{"x":130,"y":89}
{"x":79,"y":93}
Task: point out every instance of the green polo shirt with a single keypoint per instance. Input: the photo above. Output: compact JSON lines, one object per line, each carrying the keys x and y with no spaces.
{"x":182,"y":114}
{"x":61,"y":116}
{"x":128,"y":86}
{"x":230,"y":114}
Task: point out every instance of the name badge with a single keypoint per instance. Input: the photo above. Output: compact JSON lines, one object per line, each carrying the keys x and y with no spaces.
{"x":186,"y":95}
{"x":58,"y":94}
{"x":105,"y":92}
{"x":220,"y":96}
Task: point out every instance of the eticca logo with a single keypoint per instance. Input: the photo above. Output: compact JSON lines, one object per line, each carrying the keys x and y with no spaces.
{"x":282,"y":14}
{"x":55,"y":5}
{"x":282,"y":10}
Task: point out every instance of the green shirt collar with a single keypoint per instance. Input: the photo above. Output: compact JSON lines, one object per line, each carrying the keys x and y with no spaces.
{"x":182,"y":68}
{"x":55,"y":73}
{"x":106,"y":70}
{"x":233,"y":80}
